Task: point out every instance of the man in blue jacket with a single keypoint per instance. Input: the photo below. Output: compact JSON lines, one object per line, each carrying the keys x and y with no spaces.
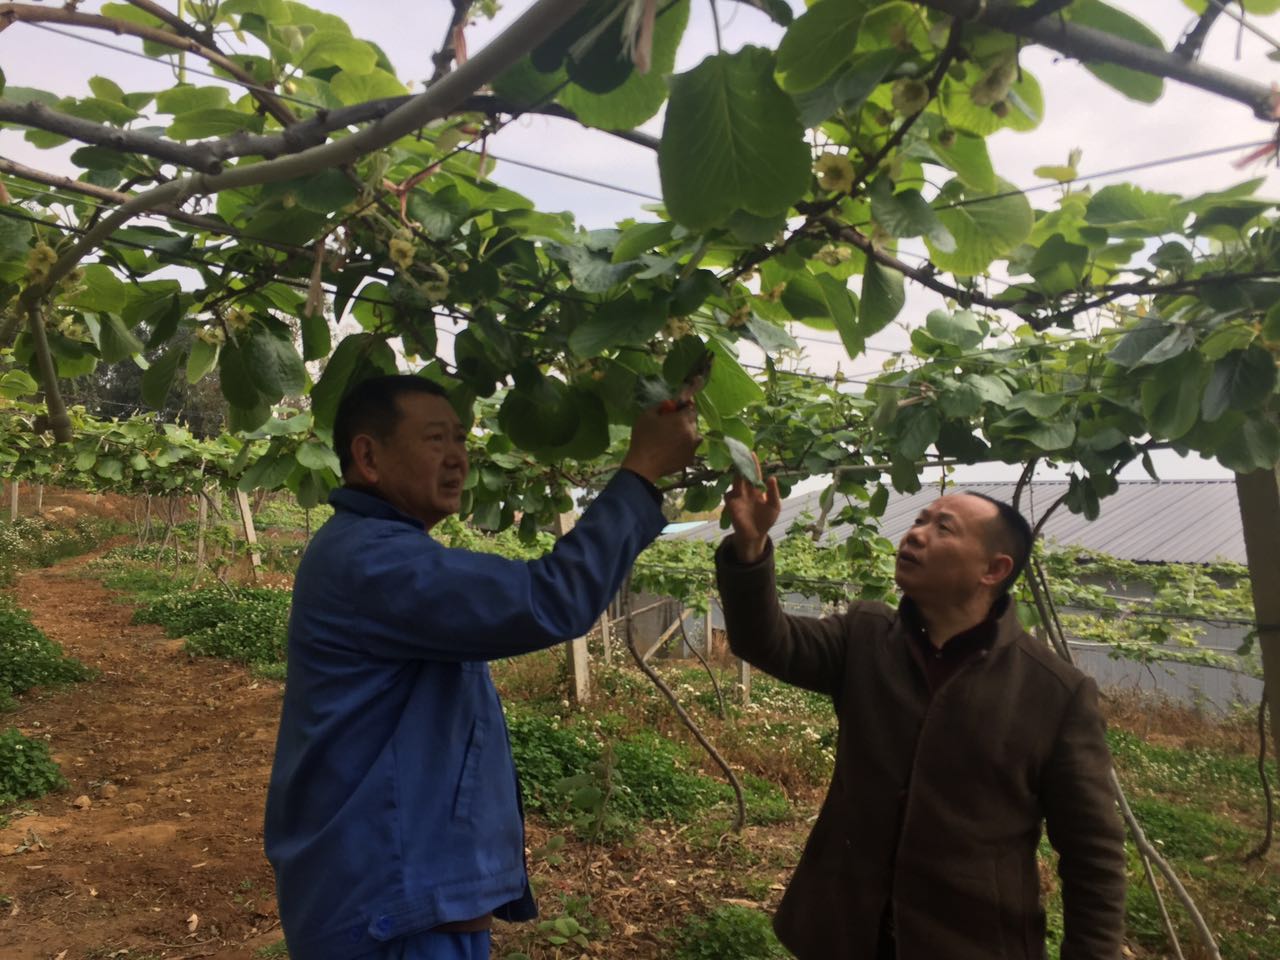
{"x":393,"y":815}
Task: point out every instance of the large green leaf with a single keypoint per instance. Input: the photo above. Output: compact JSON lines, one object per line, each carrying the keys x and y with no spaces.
{"x":731,"y":141}
{"x":817,"y":43}
{"x":641,"y":95}
{"x":100,"y":290}
{"x":1126,"y":210}
{"x":1249,"y":443}
{"x":1241,"y":380}
{"x":967,"y":156}
{"x":1058,"y":266}
{"x":961,"y":329}
{"x":626,"y":321}
{"x":540,"y":414}
{"x":1134,"y":84}
{"x":441,"y":212}
{"x":326,"y":48}
{"x":115,"y":340}
{"x":212,"y":122}
{"x":274,"y":364}
{"x":158,"y":378}
{"x":986,"y":226}
{"x":907,"y":214}
{"x":883,"y":297}
{"x":730,"y":388}
{"x":917,"y":429}
{"x":203,"y":358}
{"x":1171,"y":395}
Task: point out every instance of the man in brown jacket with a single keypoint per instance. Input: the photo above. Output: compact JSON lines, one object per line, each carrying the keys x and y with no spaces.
{"x":960,"y":735}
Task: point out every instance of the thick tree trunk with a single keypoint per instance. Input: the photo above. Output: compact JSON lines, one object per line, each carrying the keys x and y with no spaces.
{"x":1259,"y":497}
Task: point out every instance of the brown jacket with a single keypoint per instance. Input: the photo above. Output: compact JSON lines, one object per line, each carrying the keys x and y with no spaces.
{"x":935,"y":806}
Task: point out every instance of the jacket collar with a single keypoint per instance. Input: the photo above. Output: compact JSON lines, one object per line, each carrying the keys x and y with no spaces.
{"x":999,"y":628}
{"x":368,"y":504}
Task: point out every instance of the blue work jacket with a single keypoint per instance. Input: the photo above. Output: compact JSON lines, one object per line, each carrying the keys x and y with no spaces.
{"x":394,"y":805}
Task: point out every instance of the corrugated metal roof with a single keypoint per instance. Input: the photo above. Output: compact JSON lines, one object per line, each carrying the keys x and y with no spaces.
{"x":1171,"y":521}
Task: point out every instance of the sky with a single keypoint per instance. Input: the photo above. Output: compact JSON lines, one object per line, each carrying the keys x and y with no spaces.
{"x":1080,"y":112}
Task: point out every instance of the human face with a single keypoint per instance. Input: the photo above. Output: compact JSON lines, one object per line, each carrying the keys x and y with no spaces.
{"x":944,"y":558}
{"x":420,"y":468}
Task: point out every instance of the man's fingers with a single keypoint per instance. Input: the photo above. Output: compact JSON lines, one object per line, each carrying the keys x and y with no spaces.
{"x":772,"y":493}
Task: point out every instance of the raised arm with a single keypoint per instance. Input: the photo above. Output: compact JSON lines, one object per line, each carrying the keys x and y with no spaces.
{"x":439,"y":603}
{"x":806,"y":651}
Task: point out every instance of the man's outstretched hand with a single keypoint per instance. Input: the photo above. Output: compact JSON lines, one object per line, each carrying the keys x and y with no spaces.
{"x":752,"y":511}
{"x":664,"y":437}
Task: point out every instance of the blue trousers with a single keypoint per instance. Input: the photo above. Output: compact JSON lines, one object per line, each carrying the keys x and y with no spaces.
{"x":435,"y":946}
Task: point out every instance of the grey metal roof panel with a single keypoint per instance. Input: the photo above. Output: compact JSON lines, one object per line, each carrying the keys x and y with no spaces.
{"x":1172,"y":521}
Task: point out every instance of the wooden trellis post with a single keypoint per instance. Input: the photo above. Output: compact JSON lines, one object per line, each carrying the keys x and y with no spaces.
{"x":13,"y":499}
{"x":576,"y":649}
{"x":250,"y":534}
{"x":606,"y":640}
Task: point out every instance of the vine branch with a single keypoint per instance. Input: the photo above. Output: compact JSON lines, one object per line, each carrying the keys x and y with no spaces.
{"x":1089,"y":45}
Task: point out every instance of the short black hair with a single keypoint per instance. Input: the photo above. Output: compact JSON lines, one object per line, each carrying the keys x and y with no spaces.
{"x":371,"y":407}
{"x":1008,"y":533}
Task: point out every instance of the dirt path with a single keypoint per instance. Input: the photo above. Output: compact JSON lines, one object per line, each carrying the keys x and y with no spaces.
{"x":173,"y":753}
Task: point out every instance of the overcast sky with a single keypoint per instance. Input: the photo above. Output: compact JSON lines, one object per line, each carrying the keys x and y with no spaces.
{"x":1080,"y":112}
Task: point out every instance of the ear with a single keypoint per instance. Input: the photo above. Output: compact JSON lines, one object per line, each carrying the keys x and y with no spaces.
{"x":364,"y":461}
{"x":998,"y":568}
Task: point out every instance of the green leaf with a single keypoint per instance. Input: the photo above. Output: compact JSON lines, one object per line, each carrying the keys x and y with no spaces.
{"x":115,"y":340}
{"x":85,"y":460}
{"x":316,"y":338}
{"x":1134,"y":84}
{"x":907,"y":214}
{"x":626,"y":321}
{"x":591,"y":270}
{"x":1051,"y":435}
{"x":274,"y":365}
{"x":641,"y":238}
{"x":1271,"y":323}
{"x":730,"y":388}
{"x":641,"y":95}
{"x":960,"y":329}
{"x":1128,"y":210}
{"x":731,"y":141}
{"x":334,"y":49}
{"x":441,"y":212}
{"x":158,"y":378}
{"x":325,"y":192}
{"x":1058,"y":265}
{"x":883,"y":297}
{"x":212,"y":122}
{"x":1037,"y":404}
{"x":917,"y":429}
{"x":100,"y":291}
{"x":360,"y":87}
{"x":744,"y":461}
{"x":770,"y":337}
{"x":1241,"y":380}
{"x":17,"y":383}
{"x":234,"y":379}
{"x":967,"y":156}
{"x":317,"y":455}
{"x":540,"y":414}
{"x":1253,"y":444}
{"x":109,"y":468}
{"x":985,"y":226}
{"x":1171,"y":395}
{"x":866,"y":72}
{"x":188,"y":99}
{"x":1149,"y":332}
{"x":817,"y":43}
{"x":203,"y":358}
